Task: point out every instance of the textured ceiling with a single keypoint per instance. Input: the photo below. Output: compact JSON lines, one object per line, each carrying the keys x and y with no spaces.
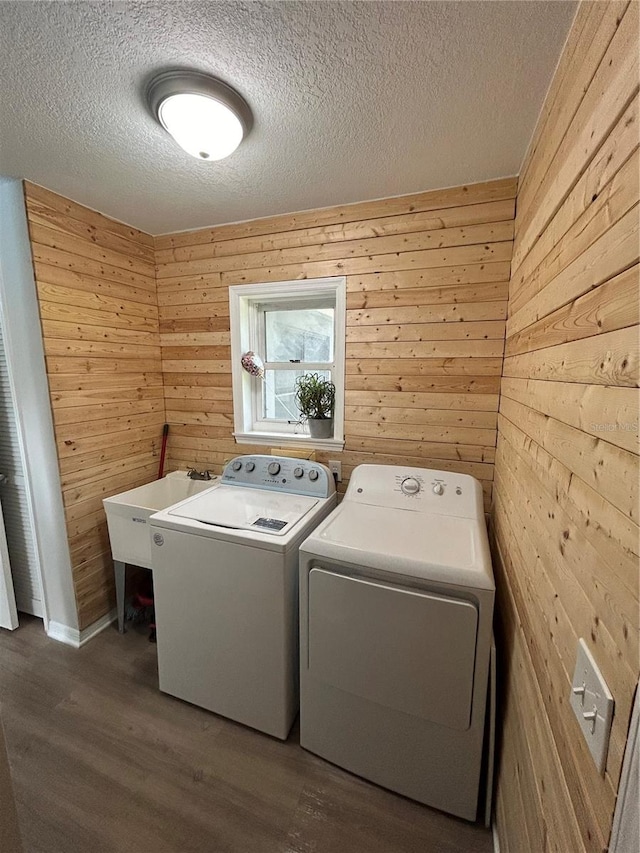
{"x":352,"y":100}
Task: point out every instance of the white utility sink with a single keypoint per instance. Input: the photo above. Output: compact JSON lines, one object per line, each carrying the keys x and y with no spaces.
{"x":128,"y":514}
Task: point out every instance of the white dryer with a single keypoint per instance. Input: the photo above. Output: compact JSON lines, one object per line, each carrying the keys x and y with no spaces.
{"x":225,"y":573}
{"x":396,"y":607}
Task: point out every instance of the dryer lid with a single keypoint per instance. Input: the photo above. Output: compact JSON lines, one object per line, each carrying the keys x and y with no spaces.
{"x":238,"y":508}
{"x":444,"y":548}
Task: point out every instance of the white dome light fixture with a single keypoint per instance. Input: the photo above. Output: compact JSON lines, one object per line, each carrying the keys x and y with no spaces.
{"x":205,"y":116}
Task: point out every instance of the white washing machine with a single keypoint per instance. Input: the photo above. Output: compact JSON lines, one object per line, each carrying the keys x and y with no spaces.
{"x":225,"y":573}
{"x":396,"y":607}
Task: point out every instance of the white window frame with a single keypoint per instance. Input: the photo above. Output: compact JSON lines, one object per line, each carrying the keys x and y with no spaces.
{"x":246,"y":302}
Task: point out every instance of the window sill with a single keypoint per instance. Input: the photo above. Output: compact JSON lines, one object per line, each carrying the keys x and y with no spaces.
{"x":280,"y":439}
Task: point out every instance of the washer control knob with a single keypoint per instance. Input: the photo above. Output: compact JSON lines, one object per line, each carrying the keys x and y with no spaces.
{"x":237,"y":465}
{"x":273,"y":468}
{"x":250,"y":466}
{"x":313,"y":474}
{"x":438,"y":489}
{"x":298,"y":472}
{"x":410,"y":486}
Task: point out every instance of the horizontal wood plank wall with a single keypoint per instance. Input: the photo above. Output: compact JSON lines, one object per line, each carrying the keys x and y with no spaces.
{"x":427,"y":279}
{"x":565,"y":512}
{"x":98,"y":307}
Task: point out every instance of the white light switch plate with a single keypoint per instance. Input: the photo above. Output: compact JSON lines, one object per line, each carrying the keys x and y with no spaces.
{"x":592,"y":704}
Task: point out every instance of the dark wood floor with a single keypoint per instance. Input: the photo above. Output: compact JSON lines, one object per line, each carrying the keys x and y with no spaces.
{"x":102,"y":761}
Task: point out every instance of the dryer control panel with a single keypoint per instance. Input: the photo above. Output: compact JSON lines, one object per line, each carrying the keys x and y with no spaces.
{"x":417,"y":489}
{"x":280,"y":474}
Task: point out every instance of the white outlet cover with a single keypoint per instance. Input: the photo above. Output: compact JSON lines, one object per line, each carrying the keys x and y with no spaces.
{"x":596,"y":698}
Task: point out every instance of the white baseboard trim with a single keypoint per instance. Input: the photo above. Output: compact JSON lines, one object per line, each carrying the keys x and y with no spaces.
{"x":496,"y":840}
{"x":76,"y":638}
{"x":64,"y":634}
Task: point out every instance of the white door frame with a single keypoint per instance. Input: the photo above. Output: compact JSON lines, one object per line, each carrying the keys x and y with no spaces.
{"x":625,"y":835}
{"x":24,"y":351}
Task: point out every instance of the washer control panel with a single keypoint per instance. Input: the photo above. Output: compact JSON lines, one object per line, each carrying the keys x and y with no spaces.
{"x":280,"y":474}
{"x":417,"y":489}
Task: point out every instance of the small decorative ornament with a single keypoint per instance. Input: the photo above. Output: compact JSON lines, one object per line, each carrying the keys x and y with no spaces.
{"x":253,"y":364}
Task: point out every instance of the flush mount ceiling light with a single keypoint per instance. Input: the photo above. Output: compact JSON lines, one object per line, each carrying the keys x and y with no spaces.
{"x":205,"y":116}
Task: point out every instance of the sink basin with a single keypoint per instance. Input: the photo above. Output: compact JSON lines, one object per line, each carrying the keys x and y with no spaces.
{"x":128,"y":514}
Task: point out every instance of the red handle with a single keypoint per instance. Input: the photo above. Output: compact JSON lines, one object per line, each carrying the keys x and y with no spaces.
{"x":165,"y":435}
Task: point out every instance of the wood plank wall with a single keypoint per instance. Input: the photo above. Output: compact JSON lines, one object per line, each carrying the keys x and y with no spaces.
{"x":565,"y":510}
{"x":98,"y":307}
{"x":426,"y":305}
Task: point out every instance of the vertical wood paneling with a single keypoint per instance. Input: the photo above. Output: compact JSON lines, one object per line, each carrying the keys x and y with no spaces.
{"x":565,"y":506}
{"x":426,"y":307}
{"x":98,"y":307}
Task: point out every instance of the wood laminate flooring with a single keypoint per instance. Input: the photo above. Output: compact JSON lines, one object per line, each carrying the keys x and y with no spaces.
{"x":104,"y":763}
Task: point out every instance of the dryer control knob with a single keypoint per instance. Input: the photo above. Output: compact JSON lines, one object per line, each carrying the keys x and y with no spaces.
{"x":237,"y":466}
{"x":410,"y":486}
{"x":250,"y":466}
{"x":273,"y":468}
{"x":313,"y":474}
{"x":298,"y":472}
{"x":438,"y":489}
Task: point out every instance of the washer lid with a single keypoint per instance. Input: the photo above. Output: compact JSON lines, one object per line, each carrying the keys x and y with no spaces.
{"x":444,"y":548}
{"x":238,"y":508}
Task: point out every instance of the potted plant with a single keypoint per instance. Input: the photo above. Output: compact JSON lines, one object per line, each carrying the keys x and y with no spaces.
{"x":316,"y":397}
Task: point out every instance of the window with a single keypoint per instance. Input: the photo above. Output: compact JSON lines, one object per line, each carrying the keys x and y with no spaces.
{"x":294,"y":327}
